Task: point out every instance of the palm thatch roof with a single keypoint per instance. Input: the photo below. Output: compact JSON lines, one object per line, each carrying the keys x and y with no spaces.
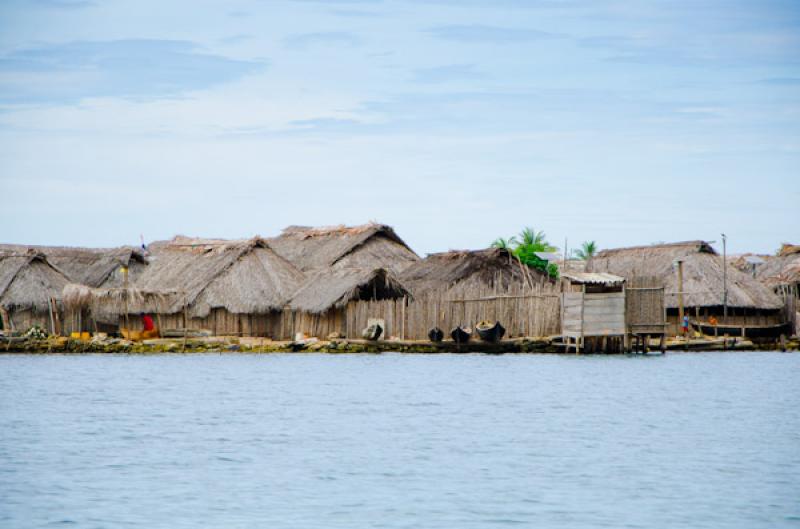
{"x":335,"y":287}
{"x":465,"y":268}
{"x":242,"y":276}
{"x":702,"y":275}
{"x":106,"y":304}
{"x":781,"y":269}
{"x":368,"y":246}
{"x":93,"y":267}
{"x":29,"y":281}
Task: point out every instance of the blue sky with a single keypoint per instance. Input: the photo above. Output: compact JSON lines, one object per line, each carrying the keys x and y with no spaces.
{"x":627,"y":122}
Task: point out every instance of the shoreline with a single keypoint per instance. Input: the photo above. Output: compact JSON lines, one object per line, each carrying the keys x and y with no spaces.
{"x":531,"y":345}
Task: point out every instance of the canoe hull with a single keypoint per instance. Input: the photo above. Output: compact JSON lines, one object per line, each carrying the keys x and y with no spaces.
{"x":436,"y":335}
{"x":491,"y":333}
{"x":461,"y":335}
{"x":769,"y":331}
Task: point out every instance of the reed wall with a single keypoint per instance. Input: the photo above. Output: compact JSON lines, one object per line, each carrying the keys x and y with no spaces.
{"x":522,"y":310}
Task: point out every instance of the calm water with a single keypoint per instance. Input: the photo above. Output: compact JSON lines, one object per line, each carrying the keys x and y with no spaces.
{"x":305,"y":441}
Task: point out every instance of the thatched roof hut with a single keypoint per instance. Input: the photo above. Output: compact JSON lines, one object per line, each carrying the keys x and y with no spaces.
{"x":107,"y":304}
{"x":93,"y":267}
{"x":335,"y":287}
{"x":242,"y":276}
{"x":462,"y":270}
{"x":702,"y":275}
{"x":773,"y":270}
{"x":28,"y":281}
{"x":369,"y":246}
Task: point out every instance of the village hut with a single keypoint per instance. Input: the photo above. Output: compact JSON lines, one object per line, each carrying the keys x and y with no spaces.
{"x":369,"y":246}
{"x":460,"y":273}
{"x":319,"y":305}
{"x":93,"y":267}
{"x":464,"y":287}
{"x":704,"y":283}
{"x":782,"y":269}
{"x":781,"y":273}
{"x":342,"y":264}
{"x":89,"y":309}
{"x":234,"y":287}
{"x":30,"y":292}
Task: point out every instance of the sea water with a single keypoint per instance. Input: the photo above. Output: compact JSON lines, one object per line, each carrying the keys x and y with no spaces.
{"x":701,"y":440}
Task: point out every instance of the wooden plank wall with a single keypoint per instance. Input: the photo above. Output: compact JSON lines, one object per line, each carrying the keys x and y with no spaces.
{"x":571,"y":314}
{"x":604,"y":314}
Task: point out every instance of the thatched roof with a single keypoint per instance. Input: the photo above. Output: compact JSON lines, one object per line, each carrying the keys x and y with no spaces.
{"x":93,"y":267}
{"x":490,"y":267}
{"x":334,"y":287}
{"x":368,"y":246}
{"x":781,"y":269}
{"x":245,"y":276}
{"x":28,"y":281}
{"x":108,"y":303}
{"x":702,"y":274}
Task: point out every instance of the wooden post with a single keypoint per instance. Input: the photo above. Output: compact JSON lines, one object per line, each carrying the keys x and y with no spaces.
{"x":680,"y":296}
{"x":185,"y":321}
{"x":724,"y":280}
{"x":583,"y":303}
{"x":403,"y":317}
{"x":6,"y":319}
{"x":626,"y":336}
{"x":50,"y":311}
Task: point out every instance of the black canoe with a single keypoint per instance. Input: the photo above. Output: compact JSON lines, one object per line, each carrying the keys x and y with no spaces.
{"x":755,"y":331}
{"x":490,"y":332}
{"x":461,"y":334}
{"x":435,"y":334}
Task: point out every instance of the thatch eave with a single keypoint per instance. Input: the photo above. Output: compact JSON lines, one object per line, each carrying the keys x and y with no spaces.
{"x":336,"y":287}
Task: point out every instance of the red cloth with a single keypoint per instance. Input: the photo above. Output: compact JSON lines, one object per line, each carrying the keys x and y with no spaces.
{"x":147,"y":320}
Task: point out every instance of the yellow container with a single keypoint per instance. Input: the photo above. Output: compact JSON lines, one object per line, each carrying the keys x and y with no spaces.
{"x":75,"y":336}
{"x":85,"y":336}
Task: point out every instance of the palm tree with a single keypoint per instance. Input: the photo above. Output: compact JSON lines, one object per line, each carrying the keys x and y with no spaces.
{"x":525,"y":247}
{"x":587,"y":250}
{"x":505,"y":244}
{"x":535,"y":240}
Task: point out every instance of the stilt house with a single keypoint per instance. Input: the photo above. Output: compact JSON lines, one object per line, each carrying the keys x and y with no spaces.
{"x":704,"y":283}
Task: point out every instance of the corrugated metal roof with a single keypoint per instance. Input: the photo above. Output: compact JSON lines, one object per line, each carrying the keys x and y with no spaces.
{"x":754,"y":259}
{"x":550,"y":257}
{"x":600,"y":278}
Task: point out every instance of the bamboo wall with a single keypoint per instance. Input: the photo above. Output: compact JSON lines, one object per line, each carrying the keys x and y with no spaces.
{"x":22,"y":320}
{"x":319,"y":325}
{"x":644,"y":305}
{"x":523,"y":311}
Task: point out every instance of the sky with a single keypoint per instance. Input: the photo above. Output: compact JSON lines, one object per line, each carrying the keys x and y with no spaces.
{"x":626,"y":122}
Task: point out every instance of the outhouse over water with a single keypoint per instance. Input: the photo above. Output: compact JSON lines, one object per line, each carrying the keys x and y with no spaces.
{"x":592,"y":306}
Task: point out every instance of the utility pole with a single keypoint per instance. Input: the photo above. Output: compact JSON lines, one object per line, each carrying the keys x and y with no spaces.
{"x":724,"y":279}
{"x":680,"y":293}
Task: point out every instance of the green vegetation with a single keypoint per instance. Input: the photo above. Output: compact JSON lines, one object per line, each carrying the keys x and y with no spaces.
{"x":525,"y":246}
{"x":587,"y":250}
